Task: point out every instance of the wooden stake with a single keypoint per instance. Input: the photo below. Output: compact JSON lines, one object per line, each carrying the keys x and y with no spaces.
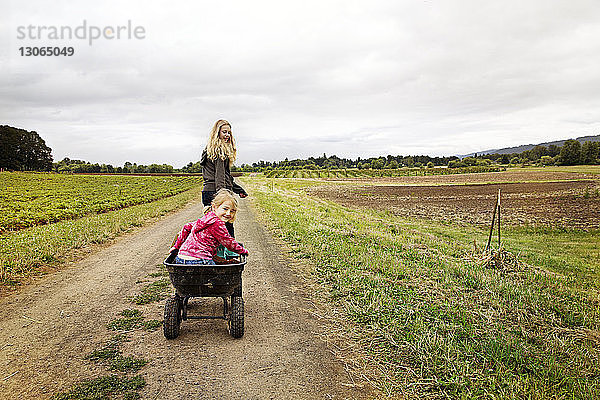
{"x":498,"y":218}
{"x":496,"y":208}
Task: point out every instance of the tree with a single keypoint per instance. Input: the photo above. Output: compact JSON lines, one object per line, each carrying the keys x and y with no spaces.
{"x":456,"y":164}
{"x":570,"y":154}
{"x":469,"y":161}
{"x":590,"y":152}
{"x":23,"y":151}
{"x":537,"y":152}
{"x":503,"y":159}
{"x":546,"y":160}
{"x":392,"y":164}
{"x":553,"y":150}
{"x":378,"y":163}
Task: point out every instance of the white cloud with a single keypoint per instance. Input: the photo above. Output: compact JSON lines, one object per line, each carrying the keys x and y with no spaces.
{"x":298,"y":79}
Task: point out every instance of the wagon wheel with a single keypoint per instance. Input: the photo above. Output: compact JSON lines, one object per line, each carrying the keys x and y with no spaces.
{"x":238,"y":290}
{"x":172,"y":318}
{"x":236,"y":318}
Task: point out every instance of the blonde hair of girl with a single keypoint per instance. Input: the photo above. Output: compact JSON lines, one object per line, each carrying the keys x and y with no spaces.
{"x":217,"y":147}
{"x":221,"y":197}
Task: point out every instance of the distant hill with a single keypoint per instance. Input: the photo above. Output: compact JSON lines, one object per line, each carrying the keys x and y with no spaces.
{"x":520,"y":149}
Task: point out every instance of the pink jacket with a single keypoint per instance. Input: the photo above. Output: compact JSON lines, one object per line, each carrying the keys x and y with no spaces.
{"x":201,"y":238}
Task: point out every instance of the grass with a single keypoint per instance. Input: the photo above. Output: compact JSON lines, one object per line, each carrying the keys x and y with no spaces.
{"x":26,"y":252}
{"x":152,"y":324}
{"x":131,"y":319}
{"x":106,"y":387}
{"x":431,"y":323}
{"x":158,"y":274}
{"x":582,"y":169}
{"x":573,"y":254}
{"x":111,"y":356}
{"x":152,"y":292}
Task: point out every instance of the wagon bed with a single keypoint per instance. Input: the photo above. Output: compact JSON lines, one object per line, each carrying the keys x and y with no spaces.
{"x":223,"y":280}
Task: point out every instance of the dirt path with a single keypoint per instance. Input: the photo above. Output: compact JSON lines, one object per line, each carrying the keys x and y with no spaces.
{"x":48,"y":328}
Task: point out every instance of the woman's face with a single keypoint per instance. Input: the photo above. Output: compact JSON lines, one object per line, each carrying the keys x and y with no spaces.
{"x":225,"y":133}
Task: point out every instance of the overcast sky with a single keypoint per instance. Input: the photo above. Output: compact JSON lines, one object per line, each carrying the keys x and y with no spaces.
{"x":299,"y":79}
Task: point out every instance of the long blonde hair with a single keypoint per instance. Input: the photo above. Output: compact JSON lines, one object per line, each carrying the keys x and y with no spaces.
{"x":221,"y":197}
{"x":218,"y":148}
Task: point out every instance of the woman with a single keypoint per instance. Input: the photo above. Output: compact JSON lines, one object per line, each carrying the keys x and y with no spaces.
{"x":217,"y":157}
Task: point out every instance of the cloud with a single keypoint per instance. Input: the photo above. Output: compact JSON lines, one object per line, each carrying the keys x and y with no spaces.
{"x":297,"y":79}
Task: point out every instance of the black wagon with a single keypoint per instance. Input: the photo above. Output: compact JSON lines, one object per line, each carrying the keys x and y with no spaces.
{"x":222,"y":280}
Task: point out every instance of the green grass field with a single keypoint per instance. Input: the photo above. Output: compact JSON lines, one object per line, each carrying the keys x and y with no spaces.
{"x":429,"y":319}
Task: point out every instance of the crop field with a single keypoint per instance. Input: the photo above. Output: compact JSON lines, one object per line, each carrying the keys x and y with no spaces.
{"x":427,"y":315}
{"x":44,"y":217}
{"x":370,"y":173}
{"x":566,"y":204}
{"x":30,"y":199}
{"x":514,"y":175}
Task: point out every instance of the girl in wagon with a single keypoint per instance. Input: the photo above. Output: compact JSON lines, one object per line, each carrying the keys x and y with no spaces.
{"x":198,"y":241}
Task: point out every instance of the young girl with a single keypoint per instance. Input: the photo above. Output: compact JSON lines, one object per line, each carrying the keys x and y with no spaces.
{"x":217,"y":157}
{"x":198,"y":241}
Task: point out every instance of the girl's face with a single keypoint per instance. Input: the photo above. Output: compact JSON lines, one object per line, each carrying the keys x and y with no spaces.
{"x":225,"y":212}
{"x":225,"y":133}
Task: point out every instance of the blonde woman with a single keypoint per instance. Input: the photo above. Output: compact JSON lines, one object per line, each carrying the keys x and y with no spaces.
{"x":217,"y":157}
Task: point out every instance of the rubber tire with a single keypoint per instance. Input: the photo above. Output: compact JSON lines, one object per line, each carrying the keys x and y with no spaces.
{"x":172,"y":318}
{"x":236,"y":319}
{"x":238,"y":290}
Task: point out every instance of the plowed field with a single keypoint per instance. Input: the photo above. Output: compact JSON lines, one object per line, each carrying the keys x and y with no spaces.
{"x":568,"y":204}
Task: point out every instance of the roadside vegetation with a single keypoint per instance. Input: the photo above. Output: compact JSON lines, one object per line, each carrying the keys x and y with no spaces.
{"x":152,"y":292}
{"x":105,"y":387}
{"x":28,"y":251}
{"x":427,"y":320}
{"x":111,"y":356}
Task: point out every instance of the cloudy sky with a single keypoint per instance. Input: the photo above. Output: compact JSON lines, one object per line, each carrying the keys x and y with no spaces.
{"x":302,"y":78}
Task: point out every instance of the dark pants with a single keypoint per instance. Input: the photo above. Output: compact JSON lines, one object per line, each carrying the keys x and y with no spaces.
{"x":207,"y":198}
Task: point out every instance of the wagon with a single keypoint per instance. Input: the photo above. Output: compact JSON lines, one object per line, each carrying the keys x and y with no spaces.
{"x":223,"y":280}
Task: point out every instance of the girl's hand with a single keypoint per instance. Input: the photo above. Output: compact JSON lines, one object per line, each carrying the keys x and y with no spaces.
{"x":242,"y":195}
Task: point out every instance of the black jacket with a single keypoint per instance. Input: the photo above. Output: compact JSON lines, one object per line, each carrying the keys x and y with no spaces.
{"x":216,"y":175}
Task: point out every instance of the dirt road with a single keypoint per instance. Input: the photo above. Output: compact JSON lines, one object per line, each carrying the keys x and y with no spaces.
{"x":47,"y":329}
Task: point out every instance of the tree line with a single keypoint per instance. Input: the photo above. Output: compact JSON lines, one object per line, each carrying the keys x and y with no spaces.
{"x":21,"y":150}
{"x":572,"y":152}
{"x":67,"y":165}
{"x":335,"y":162}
